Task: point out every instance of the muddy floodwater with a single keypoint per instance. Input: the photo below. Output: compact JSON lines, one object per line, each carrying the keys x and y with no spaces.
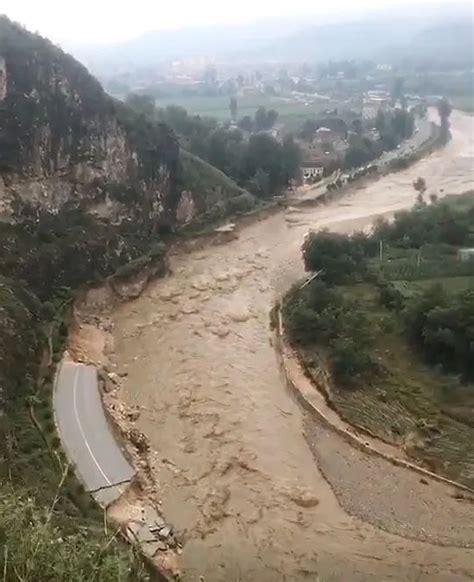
{"x":257,"y":490}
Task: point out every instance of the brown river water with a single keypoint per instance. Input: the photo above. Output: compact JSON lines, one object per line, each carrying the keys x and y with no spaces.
{"x":256,"y":489}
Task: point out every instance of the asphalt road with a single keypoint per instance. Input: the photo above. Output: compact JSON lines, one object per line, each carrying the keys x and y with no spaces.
{"x":410,"y":145}
{"x":86,"y":435}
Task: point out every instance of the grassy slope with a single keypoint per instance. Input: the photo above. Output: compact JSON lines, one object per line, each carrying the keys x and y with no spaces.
{"x":41,"y":501}
{"x":215,"y":194}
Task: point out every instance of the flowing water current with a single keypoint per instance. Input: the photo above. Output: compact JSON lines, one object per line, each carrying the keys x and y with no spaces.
{"x":242,"y":472}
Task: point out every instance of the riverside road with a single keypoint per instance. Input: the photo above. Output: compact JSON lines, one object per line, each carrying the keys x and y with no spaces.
{"x":86,"y":435}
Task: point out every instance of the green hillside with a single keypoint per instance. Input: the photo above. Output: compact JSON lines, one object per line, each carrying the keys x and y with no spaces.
{"x":215,"y":194}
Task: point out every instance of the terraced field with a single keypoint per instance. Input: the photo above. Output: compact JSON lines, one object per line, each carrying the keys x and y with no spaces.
{"x":425,"y":411}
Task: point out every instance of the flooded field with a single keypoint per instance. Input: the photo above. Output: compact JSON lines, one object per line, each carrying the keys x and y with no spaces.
{"x":257,"y":492}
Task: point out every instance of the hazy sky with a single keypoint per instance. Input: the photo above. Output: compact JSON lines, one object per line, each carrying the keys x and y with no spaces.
{"x":90,"y":21}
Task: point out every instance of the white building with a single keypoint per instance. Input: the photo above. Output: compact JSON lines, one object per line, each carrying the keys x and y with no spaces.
{"x":466,"y":255}
{"x":384,"y":67}
{"x":312,"y":171}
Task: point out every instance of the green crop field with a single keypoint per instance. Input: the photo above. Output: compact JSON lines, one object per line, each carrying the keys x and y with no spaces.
{"x":288,"y":108}
{"x":451,"y":284}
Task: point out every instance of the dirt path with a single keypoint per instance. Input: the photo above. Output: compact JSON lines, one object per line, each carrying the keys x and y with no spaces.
{"x":232,"y":462}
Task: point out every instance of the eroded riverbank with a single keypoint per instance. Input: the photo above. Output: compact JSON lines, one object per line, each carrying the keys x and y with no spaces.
{"x":231,"y":461}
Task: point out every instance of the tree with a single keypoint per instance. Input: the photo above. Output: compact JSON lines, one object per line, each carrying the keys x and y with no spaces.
{"x":357,"y":126}
{"x":260,"y":119}
{"x":350,"y":362}
{"x":398,"y":89}
{"x":380,"y":122}
{"x":394,"y":126}
{"x":142,"y":104}
{"x":420,"y":186}
{"x":265,"y":119}
{"x":233,"y":108}
{"x":177,"y":117}
{"x":265,"y":153}
{"x":260,"y":183}
{"x":402,"y":124}
{"x":361,"y":151}
{"x":291,"y":158}
{"x":225,"y":150}
{"x":444,"y":112}
{"x":340,"y":257}
{"x":246,"y":123}
{"x":272,"y":116}
{"x":440,"y":325}
{"x":434,"y":224}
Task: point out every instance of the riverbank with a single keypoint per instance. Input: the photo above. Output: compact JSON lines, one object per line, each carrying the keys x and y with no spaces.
{"x":376,"y":465}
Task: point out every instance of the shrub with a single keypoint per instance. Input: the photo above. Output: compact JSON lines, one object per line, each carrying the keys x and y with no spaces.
{"x":441,"y":327}
{"x":49,"y":427}
{"x":44,"y":549}
{"x":47,"y":414}
{"x":341,"y":258}
{"x":350,"y":363}
{"x":242,"y":203}
{"x":390,"y":297}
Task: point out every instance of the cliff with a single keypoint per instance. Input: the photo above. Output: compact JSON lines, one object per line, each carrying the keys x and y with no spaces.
{"x":63,"y":139}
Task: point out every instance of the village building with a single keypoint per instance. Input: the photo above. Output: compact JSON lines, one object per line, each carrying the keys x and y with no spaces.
{"x":374,"y":101}
{"x":466,"y":255}
{"x":312,"y":169}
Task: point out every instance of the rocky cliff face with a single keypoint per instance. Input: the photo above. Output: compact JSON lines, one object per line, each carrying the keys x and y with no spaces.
{"x":63,"y":139}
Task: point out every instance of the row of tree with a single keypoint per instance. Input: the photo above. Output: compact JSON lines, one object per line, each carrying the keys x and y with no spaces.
{"x":393,"y":127}
{"x":263,"y":120}
{"x":433,"y":224}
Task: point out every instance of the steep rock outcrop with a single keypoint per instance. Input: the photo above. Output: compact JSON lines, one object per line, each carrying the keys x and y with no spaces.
{"x":63,"y":139}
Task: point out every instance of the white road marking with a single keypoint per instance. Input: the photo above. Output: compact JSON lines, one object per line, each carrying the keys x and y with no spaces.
{"x":82,"y":430}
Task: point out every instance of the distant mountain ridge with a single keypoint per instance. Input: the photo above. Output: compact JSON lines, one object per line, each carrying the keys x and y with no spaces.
{"x":204,"y":41}
{"x":451,"y":41}
{"x":390,"y":39}
{"x":384,"y":35}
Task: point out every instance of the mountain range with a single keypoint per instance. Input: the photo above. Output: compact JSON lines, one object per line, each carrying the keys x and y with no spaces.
{"x":426,"y":31}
